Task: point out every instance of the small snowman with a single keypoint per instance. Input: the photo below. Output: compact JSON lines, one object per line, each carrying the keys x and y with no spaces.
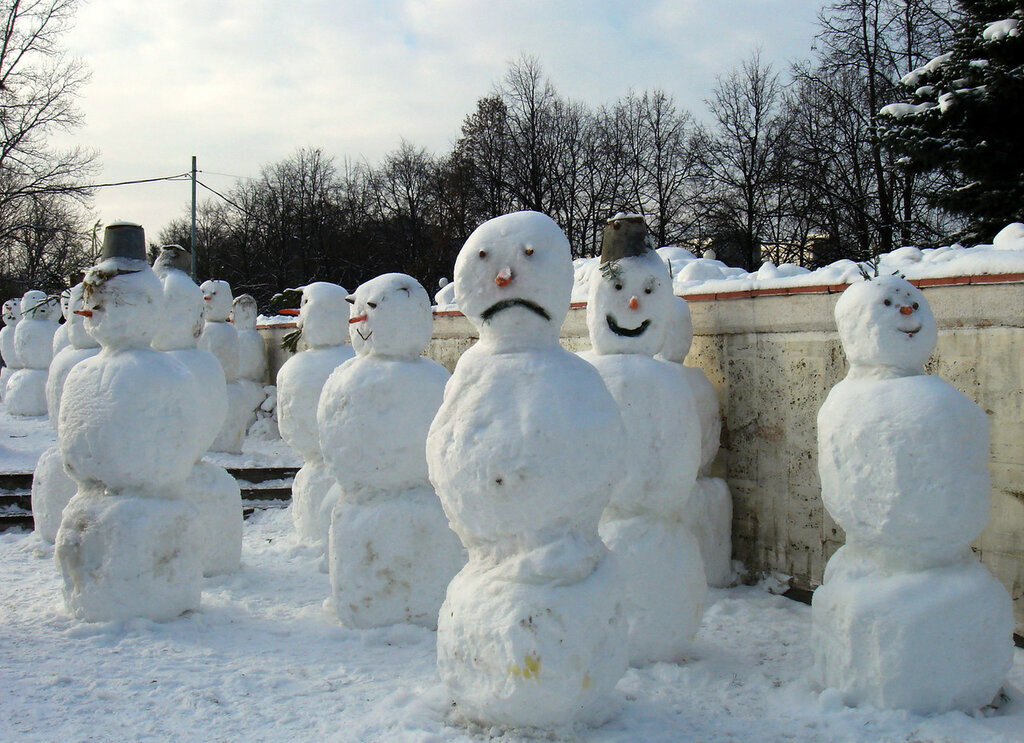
{"x":128,"y":545}
{"x":11,"y":318}
{"x":390,"y":550}
{"x":252,"y":356}
{"x":33,"y":344}
{"x":523,"y":453}
{"x":708,"y":513}
{"x":52,"y":488}
{"x":209,"y":487}
{"x":220,"y":338}
{"x":907,"y":617}
{"x":323,"y":324}
{"x":60,"y":338}
{"x":629,"y":310}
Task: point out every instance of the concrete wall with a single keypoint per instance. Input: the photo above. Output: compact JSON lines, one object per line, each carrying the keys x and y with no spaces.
{"x":773,"y":358}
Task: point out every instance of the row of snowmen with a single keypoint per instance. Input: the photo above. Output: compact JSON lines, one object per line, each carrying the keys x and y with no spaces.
{"x":138,"y":397}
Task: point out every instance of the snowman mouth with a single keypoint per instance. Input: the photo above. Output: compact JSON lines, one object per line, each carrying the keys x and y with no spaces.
{"x":364,"y":337}
{"x":627,"y":332}
{"x":504,"y":304}
{"x":911,"y":332}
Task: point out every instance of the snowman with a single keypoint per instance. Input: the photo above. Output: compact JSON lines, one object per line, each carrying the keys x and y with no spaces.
{"x":323,"y":323}
{"x":629,"y":310}
{"x":523,"y":453}
{"x":128,"y":545}
{"x":60,"y":338}
{"x":390,"y":550}
{"x":209,"y":487}
{"x":220,"y":338}
{"x":11,"y":318}
{"x":252,"y":356}
{"x":907,"y":617}
{"x":708,"y":513}
{"x":52,"y":488}
{"x":33,"y":344}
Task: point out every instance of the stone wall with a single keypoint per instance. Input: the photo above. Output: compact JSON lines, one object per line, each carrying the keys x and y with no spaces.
{"x":773,"y":356}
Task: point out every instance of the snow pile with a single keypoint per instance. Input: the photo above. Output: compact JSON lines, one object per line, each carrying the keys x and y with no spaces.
{"x":693,"y":275}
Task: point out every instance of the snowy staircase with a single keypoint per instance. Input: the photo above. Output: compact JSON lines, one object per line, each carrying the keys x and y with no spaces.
{"x":262,"y":488}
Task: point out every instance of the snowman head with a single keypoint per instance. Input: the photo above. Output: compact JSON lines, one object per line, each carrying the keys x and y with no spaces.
{"x":886,"y":327}
{"x":173,"y":257}
{"x":216,"y":300}
{"x":123,"y":303}
{"x":37,"y":305}
{"x":323,"y":314}
{"x":513,"y":279}
{"x":243,"y":312}
{"x":77,"y":334}
{"x":679,"y":336}
{"x":65,"y":304}
{"x":182,"y":323}
{"x":12,"y":312}
{"x":390,"y":316}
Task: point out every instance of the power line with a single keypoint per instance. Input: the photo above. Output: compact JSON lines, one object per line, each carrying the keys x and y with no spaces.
{"x":92,"y":186}
{"x":229,"y":175}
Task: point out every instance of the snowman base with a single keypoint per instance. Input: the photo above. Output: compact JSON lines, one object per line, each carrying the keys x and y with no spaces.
{"x":6,"y":373}
{"x":242,"y":404}
{"x":26,"y":392}
{"x":218,"y":500}
{"x":391,"y":559}
{"x":665,"y":586}
{"x":521,"y":654}
{"x":928,"y":641}
{"x":708,"y":515}
{"x":309,"y":491}
{"x":124,"y":556}
{"x":52,"y":489}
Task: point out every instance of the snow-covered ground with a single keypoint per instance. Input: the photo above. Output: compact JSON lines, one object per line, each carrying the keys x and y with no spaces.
{"x":262,"y":660}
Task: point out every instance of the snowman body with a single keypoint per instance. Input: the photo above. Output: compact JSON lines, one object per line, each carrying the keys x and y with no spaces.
{"x":60,"y":337}
{"x":127,"y":544}
{"x":323,"y":322}
{"x":390,"y":550}
{"x":33,"y":344}
{"x":523,"y":453}
{"x":628,"y":312}
{"x":906,"y":618}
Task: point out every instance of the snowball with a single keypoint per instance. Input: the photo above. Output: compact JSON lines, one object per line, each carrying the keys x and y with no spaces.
{"x":1011,"y":237}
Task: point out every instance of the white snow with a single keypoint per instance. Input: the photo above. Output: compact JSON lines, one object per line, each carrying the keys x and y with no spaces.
{"x":1001,"y":30}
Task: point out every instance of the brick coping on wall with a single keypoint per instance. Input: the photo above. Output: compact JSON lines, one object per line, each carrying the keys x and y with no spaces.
{"x":1003,"y":278}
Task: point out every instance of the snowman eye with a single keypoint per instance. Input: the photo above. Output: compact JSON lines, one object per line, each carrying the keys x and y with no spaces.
{"x":483,"y":253}
{"x":372,"y":305}
{"x":647,"y":290}
{"x":618,"y":287}
{"x":528,"y":251}
{"x":887,"y":302}
{"x":915,"y":305}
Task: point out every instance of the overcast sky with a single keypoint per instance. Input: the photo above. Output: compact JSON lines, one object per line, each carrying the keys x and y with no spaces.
{"x":244,"y":83}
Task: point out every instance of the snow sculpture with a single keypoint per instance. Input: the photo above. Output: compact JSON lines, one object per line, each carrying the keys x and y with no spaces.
{"x":629,"y":309}
{"x":252,"y":356}
{"x":11,"y":318}
{"x":220,"y":338}
{"x":907,"y":618}
{"x":52,"y":488}
{"x":391,"y":552}
{"x":60,"y":337}
{"x":33,"y":344}
{"x":708,"y":512}
{"x":209,"y":487}
{"x":523,"y":453}
{"x":323,"y":322}
{"x":128,"y":545}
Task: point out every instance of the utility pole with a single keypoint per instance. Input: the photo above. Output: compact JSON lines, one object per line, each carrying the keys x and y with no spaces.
{"x":193,"y":245}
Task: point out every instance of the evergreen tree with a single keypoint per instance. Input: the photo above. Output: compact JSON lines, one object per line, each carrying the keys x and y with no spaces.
{"x":963,"y":120}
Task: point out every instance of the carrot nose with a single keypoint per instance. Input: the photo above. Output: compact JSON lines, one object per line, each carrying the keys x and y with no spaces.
{"x":504,"y":277}
{"x":288,"y":312}
{"x":906,"y":309}
{"x":634,"y":303}
{"x":360,"y":318}
{"x":84,"y":313}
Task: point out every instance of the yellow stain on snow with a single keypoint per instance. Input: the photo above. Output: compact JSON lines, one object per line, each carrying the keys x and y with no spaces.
{"x":586,"y":681}
{"x":529,"y":670}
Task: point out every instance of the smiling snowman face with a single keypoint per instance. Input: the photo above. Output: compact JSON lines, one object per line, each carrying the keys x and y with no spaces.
{"x":390,"y":316}
{"x":886,"y":325}
{"x":513,"y":278}
{"x":12,"y":312}
{"x":216,"y":300}
{"x":629,"y":305}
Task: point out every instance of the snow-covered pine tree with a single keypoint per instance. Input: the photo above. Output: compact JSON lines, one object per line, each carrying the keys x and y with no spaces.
{"x":963,"y":119}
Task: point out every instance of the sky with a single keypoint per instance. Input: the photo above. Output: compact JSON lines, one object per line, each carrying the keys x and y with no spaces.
{"x":242,"y":84}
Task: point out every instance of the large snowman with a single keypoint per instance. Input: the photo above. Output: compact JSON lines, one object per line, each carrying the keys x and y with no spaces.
{"x":52,"y":488}
{"x":391,"y":552}
{"x":11,"y":318}
{"x":209,"y":487}
{"x":33,"y":344}
{"x":708,"y":513}
{"x":127,"y":544}
{"x":629,"y":310}
{"x":907,"y":618}
{"x":323,"y":323}
{"x":523,"y":453}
